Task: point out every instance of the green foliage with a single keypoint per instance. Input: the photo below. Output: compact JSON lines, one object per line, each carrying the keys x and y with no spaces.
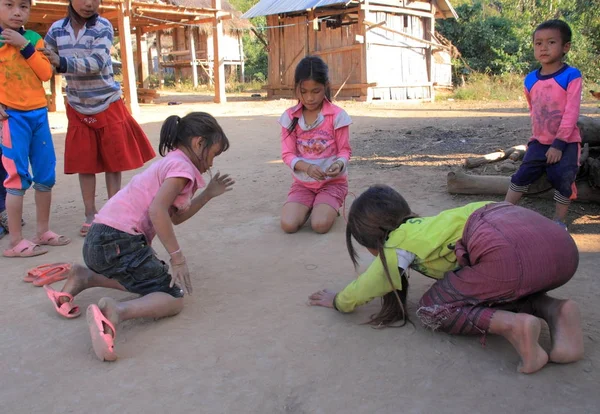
{"x":494,"y":36}
{"x":255,"y":51}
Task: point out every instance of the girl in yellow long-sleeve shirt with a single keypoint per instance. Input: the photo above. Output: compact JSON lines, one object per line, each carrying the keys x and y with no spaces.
{"x":493,"y":264}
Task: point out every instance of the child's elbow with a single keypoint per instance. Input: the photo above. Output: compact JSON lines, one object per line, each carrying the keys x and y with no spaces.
{"x":46,"y":75}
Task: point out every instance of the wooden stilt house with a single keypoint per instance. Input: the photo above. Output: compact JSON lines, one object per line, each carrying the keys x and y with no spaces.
{"x":188,"y":51}
{"x":375,"y":49}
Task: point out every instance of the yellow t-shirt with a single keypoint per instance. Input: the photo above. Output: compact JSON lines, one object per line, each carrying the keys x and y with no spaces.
{"x":430,"y":239}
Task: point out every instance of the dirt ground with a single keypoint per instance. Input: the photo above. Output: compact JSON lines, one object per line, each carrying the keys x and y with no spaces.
{"x":246,"y":341}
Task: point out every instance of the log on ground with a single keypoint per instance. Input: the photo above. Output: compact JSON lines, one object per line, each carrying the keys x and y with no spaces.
{"x":461,"y":183}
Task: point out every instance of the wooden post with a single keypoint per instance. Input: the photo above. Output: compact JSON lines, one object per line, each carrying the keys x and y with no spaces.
{"x":365,"y":92}
{"x":58,"y":101}
{"x":141,"y":55}
{"x":129,"y":87}
{"x":242,"y":59}
{"x":161,"y":79}
{"x":429,"y":31}
{"x":219,"y":67}
{"x":193,"y":60}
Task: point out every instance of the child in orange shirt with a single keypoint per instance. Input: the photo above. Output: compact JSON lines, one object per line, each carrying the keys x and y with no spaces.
{"x":26,"y":137}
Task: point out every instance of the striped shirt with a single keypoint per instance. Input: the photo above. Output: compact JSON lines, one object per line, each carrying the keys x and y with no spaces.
{"x":85,"y":60}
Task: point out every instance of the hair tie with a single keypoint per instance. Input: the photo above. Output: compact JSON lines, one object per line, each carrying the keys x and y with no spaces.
{"x":178,"y":118}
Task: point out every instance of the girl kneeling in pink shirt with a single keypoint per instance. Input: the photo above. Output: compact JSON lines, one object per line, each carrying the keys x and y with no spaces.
{"x":315,"y":145}
{"x":117,"y":250}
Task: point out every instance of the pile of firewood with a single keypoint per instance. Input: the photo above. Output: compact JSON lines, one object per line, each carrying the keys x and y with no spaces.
{"x":588,"y":178}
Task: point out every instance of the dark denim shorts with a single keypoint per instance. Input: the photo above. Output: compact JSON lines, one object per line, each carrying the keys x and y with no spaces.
{"x":128,"y":259}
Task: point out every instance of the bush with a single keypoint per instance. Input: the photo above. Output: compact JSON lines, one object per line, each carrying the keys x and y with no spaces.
{"x":504,"y":87}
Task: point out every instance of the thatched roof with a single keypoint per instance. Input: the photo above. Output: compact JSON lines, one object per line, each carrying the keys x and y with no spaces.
{"x":236,"y":23}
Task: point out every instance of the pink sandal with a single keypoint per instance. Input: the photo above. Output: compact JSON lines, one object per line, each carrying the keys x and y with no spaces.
{"x":67,"y":309}
{"x":38,"y":271}
{"x":103,"y":343}
{"x":52,"y":239}
{"x":25,"y":248}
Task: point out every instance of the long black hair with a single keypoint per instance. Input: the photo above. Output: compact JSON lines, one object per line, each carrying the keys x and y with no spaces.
{"x":178,"y":131}
{"x":373,"y":216}
{"x":310,"y":68}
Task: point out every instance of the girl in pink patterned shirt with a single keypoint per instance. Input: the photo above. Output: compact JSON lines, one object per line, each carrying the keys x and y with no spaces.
{"x":315,"y":145}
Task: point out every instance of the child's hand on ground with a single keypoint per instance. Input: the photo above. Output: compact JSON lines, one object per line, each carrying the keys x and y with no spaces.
{"x":52,"y":57}
{"x":180,"y":274}
{"x":315,"y":172}
{"x":335,"y":169}
{"x":219,"y":184}
{"x":553,"y":155}
{"x":323,"y":298}
{"x":12,"y":37}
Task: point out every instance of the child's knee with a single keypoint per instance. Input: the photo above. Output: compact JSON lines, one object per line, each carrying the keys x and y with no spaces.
{"x":321,"y":224}
{"x":44,"y":188}
{"x":19,"y":192}
{"x":289,"y":226}
{"x":44,"y":182}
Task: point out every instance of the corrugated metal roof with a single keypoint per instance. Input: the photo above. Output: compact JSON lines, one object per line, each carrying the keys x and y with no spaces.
{"x":269,"y":7}
{"x":446,"y":9}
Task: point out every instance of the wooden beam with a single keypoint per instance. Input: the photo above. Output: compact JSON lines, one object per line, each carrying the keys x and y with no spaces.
{"x":342,"y":49}
{"x":144,"y":73}
{"x":242,"y":59}
{"x":219,"y":67}
{"x":429,"y":29}
{"x":192,"y":42}
{"x":58,"y":101}
{"x":365,"y":91}
{"x":128,"y":68}
{"x":427,"y":42}
{"x":168,"y":26}
{"x":399,"y":10}
{"x":161,"y":79}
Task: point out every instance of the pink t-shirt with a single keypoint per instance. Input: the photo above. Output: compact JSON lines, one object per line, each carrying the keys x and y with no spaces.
{"x":324,"y":142}
{"x":554,"y":102}
{"x":128,"y":210}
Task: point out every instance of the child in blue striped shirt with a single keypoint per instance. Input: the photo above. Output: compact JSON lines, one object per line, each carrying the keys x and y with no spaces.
{"x":101,"y":135}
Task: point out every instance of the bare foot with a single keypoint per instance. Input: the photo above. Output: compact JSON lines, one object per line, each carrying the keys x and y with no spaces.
{"x":564,"y":320}
{"x":110,"y":309}
{"x":76,"y":281}
{"x":524,"y":336}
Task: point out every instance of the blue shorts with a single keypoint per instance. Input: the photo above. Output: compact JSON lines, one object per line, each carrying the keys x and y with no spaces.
{"x":561,"y":175}
{"x":26,"y":139}
{"x":128,"y":259}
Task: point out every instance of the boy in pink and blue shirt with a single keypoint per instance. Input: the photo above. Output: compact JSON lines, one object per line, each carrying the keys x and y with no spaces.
{"x":554,"y":95}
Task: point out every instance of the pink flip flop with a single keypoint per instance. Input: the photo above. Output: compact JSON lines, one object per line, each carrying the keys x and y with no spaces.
{"x":52,"y":239}
{"x":103,"y":343}
{"x":37,"y":271}
{"x":68,"y":309}
{"x":54,"y":274}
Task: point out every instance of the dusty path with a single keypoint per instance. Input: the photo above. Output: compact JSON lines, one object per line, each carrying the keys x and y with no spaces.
{"x":246,"y":342}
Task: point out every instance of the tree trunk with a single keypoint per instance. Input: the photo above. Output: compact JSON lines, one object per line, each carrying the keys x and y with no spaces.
{"x":590,"y":130}
{"x":461,"y":183}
